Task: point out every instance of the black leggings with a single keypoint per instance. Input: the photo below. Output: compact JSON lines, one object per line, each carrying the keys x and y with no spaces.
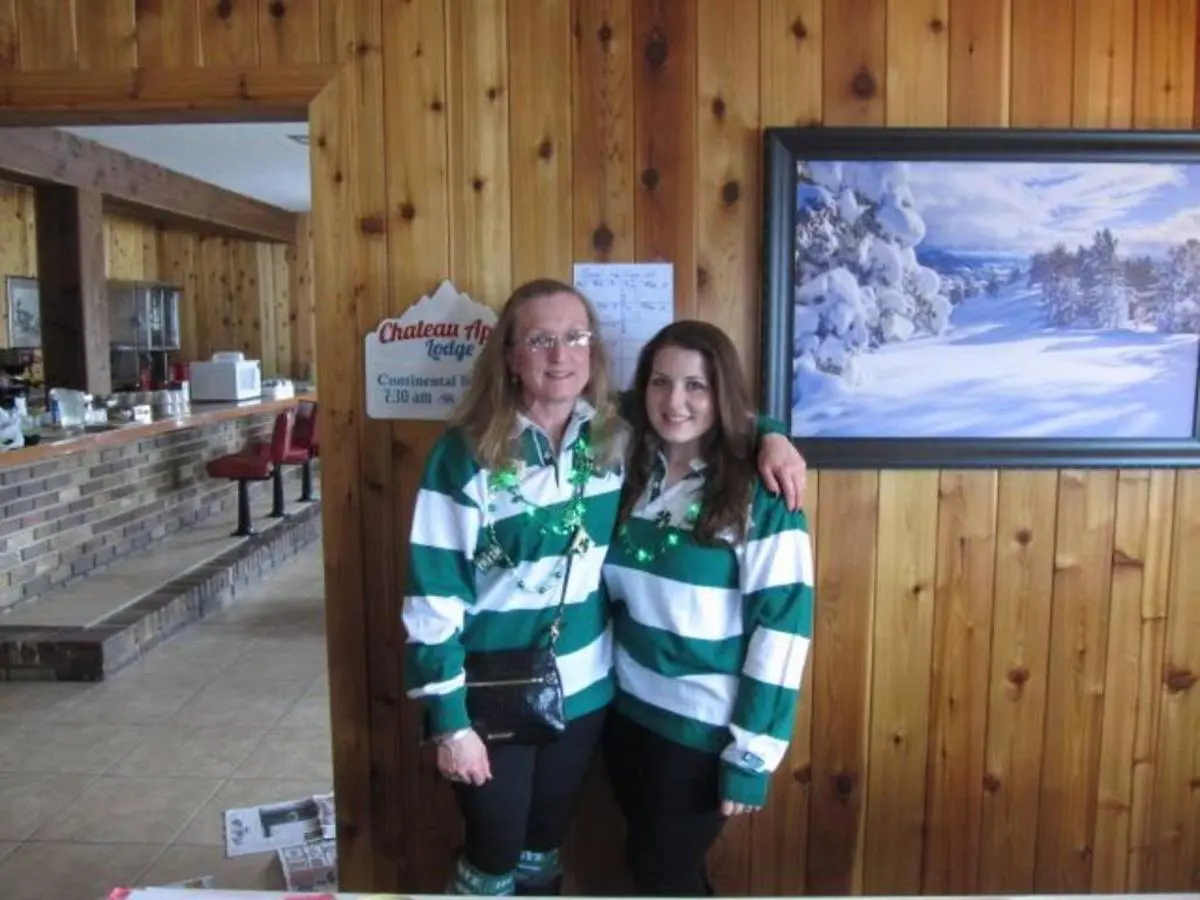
{"x":530,"y":799}
{"x":670,"y":796}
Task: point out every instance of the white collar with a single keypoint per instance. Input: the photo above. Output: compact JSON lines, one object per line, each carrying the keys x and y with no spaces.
{"x":695,"y":465}
{"x":582,"y":412}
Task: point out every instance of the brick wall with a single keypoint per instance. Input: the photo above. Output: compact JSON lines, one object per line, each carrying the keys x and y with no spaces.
{"x":66,"y":517}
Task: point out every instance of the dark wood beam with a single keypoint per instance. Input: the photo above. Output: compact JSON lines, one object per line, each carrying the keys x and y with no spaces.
{"x":135,"y":186}
{"x":72,"y":297}
{"x":153,"y":96}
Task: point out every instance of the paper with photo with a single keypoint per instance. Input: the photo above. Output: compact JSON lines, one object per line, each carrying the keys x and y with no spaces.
{"x":273,"y":826}
{"x":310,"y":867}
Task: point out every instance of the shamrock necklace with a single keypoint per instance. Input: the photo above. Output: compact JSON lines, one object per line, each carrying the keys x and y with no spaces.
{"x":570,"y":522}
{"x":667,"y":533}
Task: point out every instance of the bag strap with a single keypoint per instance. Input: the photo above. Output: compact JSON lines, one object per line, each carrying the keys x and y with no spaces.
{"x":556,"y":625}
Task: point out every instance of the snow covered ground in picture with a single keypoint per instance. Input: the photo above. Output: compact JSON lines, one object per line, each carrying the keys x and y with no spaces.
{"x":996,"y":300}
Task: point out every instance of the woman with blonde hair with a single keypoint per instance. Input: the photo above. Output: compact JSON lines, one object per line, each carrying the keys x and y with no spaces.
{"x":508,"y":639}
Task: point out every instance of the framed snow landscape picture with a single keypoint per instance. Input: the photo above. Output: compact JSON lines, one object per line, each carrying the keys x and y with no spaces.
{"x":983,"y":298}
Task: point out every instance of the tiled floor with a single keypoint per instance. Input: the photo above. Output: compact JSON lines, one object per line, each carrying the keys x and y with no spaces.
{"x":124,"y":783}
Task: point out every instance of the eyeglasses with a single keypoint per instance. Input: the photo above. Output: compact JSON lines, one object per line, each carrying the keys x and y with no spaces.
{"x":541,"y":341}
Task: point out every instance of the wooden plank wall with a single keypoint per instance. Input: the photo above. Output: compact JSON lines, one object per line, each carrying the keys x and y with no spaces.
{"x":1002,"y":695}
{"x":252,"y":296}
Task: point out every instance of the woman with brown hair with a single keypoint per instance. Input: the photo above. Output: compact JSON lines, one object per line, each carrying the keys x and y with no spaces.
{"x":514,"y":516}
{"x":710,"y":579}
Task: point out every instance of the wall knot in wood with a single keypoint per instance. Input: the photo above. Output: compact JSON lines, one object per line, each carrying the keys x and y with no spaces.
{"x":1178,"y":678}
{"x":863,"y":84}
{"x":657,"y":50}
{"x":602,"y":238}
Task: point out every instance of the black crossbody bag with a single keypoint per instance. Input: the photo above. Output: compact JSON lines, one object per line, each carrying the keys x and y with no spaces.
{"x":516,"y":696}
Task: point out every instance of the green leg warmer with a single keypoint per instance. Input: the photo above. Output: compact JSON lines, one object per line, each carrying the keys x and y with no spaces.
{"x":469,"y":880}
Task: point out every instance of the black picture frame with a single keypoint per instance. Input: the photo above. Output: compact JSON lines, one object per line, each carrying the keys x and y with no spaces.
{"x":783,"y":148}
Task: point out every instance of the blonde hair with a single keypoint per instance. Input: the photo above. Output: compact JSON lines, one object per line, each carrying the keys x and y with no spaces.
{"x":488,"y":410}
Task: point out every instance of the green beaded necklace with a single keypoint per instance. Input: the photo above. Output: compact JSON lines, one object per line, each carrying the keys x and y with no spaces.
{"x":667,"y":534}
{"x":570,"y":522}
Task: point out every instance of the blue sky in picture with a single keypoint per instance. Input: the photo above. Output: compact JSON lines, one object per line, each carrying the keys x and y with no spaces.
{"x":929,"y":304}
{"x":1026,"y":207}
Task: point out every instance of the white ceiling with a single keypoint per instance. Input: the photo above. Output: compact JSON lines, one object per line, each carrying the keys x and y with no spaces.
{"x":258,"y":159}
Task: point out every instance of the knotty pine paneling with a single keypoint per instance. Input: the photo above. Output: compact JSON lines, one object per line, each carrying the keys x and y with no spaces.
{"x":244,"y":295}
{"x":18,"y":242}
{"x":1002,"y":695}
{"x":115,"y":34}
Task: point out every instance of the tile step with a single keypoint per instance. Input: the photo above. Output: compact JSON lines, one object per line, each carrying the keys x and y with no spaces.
{"x":94,"y":652}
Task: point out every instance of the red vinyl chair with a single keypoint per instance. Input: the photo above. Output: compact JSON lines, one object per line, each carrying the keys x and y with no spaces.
{"x":304,"y":447}
{"x":257,"y":462}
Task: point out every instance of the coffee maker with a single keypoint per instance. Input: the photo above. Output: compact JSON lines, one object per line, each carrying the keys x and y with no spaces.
{"x":16,"y":365}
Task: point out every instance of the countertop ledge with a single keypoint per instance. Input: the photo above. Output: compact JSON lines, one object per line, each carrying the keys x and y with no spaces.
{"x":199,"y":416}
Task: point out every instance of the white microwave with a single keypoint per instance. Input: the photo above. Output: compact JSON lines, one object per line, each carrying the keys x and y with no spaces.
{"x":226,"y":380}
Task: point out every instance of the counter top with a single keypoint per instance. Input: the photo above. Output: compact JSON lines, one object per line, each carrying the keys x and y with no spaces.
{"x":56,"y":443}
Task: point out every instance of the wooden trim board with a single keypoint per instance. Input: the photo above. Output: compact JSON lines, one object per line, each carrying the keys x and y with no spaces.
{"x":157,"y":96}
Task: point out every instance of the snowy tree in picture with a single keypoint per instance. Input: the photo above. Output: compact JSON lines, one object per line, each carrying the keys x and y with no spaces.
{"x":1088,"y":288}
{"x":1102,"y":281}
{"x":1057,"y":274}
{"x":858,"y":283}
{"x":1142,"y":279}
{"x":1179,"y":290}
{"x":1096,"y":287}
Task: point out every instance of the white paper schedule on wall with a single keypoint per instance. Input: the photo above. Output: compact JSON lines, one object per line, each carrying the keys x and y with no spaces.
{"x":634,"y":301}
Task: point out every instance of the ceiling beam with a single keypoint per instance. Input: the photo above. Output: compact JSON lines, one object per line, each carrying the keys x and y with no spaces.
{"x":137,"y":187}
{"x":154,"y":96}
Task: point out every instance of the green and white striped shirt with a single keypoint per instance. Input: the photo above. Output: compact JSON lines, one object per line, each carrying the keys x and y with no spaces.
{"x":710,"y":642}
{"x":460,"y":600}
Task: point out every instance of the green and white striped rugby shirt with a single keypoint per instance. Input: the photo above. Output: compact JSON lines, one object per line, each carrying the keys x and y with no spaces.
{"x":710,"y":642}
{"x":461,"y":598}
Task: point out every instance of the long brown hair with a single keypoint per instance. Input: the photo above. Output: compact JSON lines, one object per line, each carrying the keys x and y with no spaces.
{"x":489,"y":406}
{"x":727,"y":448}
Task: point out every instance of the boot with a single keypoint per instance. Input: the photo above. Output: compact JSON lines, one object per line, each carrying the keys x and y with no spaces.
{"x":469,"y":880}
{"x":539,"y":874}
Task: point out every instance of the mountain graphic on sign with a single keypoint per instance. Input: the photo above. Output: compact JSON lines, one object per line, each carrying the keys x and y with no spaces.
{"x":439,"y":331}
{"x":445,"y":298}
